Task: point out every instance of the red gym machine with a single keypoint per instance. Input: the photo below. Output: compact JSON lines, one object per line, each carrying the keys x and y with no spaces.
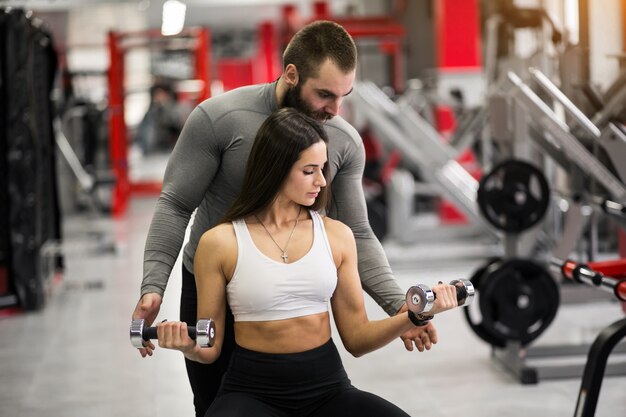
{"x":262,"y":67}
{"x":119,"y":44}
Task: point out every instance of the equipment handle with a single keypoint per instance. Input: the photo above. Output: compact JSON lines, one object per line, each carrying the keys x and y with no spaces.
{"x":584,"y":274}
{"x":420,"y":298}
{"x":151,"y":333}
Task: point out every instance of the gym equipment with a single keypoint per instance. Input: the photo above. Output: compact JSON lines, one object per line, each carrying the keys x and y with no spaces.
{"x":420,"y":298}
{"x":562,"y":140}
{"x":203,"y":333}
{"x":517,"y":298}
{"x":529,"y":363}
{"x":615,"y":210}
{"x":586,"y":274}
{"x":88,"y":182}
{"x":610,"y":276}
{"x":502,"y":21}
{"x":514,"y":196}
{"x":574,"y":144}
{"x":29,"y":198}
{"x":424,"y":152}
{"x":119,"y":45}
{"x":595,"y":367}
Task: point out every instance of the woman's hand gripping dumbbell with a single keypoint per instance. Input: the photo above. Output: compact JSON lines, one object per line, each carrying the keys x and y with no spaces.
{"x":420,"y":299}
{"x":203,"y":333}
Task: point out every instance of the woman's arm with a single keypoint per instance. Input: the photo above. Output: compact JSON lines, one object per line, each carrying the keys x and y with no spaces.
{"x":358,"y":334}
{"x":215,"y":251}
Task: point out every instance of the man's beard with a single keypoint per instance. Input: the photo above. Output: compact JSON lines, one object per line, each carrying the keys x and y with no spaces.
{"x":293,"y":98}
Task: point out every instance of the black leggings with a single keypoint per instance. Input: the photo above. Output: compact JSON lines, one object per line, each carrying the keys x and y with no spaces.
{"x":204,"y":379}
{"x":307,"y":384}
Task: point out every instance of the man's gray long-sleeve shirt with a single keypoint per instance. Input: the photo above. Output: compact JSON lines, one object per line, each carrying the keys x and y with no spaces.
{"x":206,"y":170}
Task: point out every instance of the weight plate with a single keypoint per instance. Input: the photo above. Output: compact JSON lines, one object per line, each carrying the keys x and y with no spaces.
{"x":519,"y":299}
{"x":472,"y":312}
{"x":514,"y":196}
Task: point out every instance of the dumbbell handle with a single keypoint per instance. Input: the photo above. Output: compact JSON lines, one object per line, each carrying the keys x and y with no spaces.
{"x":151,"y":333}
{"x":203,"y":333}
{"x":420,"y":298}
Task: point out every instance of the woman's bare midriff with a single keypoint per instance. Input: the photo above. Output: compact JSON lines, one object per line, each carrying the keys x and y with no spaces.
{"x":284,"y":336}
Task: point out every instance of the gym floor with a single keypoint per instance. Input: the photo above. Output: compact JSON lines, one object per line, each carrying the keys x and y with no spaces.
{"x":74,"y":358}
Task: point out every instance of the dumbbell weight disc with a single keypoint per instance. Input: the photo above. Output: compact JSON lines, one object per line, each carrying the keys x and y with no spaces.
{"x":465,"y":291}
{"x":420,"y":298}
{"x":205,"y":333}
{"x":136,"y":333}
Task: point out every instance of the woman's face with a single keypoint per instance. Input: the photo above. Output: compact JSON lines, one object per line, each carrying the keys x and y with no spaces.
{"x":306,"y":179}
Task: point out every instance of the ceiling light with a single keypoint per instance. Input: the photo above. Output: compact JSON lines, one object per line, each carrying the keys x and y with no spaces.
{"x":173,"y":17}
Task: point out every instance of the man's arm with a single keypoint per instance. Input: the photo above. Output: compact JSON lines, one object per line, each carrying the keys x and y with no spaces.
{"x":348,"y":206}
{"x":190,"y":170}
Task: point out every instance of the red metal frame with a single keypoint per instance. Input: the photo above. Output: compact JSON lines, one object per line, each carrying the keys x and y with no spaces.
{"x":615,"y":268}
{"x":118,"y":142}
{"x":457,"y":34}
{"x":262,"y":67}
{"x":268,"y":53}
{"x":119,"y":44}
{"x":203,"y":62}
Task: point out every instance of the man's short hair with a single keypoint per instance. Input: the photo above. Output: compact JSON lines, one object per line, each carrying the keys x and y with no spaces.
{"x":312,"y":45}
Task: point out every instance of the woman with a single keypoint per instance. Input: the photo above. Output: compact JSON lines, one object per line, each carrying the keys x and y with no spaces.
{"x":277,"y":262}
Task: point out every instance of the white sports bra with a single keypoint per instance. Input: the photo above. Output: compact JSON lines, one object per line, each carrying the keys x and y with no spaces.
{"x":263,"y":289}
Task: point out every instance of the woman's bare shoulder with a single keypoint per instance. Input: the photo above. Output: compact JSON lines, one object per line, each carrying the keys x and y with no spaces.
{"x":220,"y":236}
{"x":336,"y":229}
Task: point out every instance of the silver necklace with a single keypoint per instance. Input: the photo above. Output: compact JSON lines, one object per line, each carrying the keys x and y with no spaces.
{"x":284,"y":251}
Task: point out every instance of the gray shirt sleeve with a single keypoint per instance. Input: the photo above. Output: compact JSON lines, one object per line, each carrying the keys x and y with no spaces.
{"x":190,"y":170}
{"x":348,"y":206}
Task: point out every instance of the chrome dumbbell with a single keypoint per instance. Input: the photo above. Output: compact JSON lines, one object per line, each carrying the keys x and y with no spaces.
{"x":203,"y":333}
{"x":420,"y":298}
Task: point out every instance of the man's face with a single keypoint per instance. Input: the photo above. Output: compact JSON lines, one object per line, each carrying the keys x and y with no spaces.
{"x":321,"y":97}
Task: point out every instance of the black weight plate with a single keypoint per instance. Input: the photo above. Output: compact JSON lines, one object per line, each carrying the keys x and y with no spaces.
{"x":472,"y":312}
{"x":519,"y":299}
{"x":514,"y":196}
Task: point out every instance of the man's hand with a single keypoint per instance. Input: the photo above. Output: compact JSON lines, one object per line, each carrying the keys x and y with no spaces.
{"x":424,"y":337}
{"x":148,"y":308}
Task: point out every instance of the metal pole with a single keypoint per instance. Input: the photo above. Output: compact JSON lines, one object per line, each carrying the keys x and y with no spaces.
{"x":203,"y":62}
{"x":117,"y":126}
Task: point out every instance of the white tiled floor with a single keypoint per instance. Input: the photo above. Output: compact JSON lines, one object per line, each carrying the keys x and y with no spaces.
{"x":74,"y":359}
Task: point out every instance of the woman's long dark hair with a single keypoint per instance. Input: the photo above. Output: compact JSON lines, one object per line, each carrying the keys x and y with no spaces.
{"x":280,"y":141}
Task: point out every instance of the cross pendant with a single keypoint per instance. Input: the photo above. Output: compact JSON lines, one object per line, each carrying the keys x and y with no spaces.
{"x":285,"y":257}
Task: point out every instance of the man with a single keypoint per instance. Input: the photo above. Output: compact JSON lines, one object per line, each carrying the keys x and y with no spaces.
{"x":206,"y":170}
